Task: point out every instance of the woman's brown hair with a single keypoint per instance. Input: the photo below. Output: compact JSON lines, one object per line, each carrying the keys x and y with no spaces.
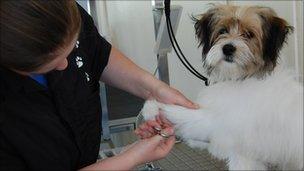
{"x":32,"y":30}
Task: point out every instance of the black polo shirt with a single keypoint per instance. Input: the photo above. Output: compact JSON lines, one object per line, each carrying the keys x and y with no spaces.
{"x":58,"y":127}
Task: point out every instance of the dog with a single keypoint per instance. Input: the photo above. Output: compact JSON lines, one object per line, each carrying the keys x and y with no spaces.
{"x":252,"y":113}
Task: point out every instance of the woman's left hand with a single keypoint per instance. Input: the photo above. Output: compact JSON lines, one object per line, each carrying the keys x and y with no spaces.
{"x":168,"y":95}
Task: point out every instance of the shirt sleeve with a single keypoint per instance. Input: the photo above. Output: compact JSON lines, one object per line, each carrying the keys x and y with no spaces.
{"x":95,"y":47}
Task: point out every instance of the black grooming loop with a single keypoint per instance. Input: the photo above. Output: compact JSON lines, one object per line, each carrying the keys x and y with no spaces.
{"x":179,"y":53}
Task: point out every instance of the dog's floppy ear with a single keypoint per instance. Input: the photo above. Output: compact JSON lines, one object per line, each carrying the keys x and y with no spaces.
{"x":275,"y":32}
{"x":203,"y":29}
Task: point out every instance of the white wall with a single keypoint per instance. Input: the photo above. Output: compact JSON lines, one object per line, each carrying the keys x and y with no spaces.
{"x":131,"y":29}
{"x":298,"y":13}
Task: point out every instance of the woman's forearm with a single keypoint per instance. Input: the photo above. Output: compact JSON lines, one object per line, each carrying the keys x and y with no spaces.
{"x":119,"y":162}
{"x":122,"y":73}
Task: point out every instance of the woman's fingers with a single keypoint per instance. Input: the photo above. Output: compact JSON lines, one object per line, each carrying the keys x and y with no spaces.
{"x":164,"y":145}
{"x":168,"y":144}
{"x":147,"y":129}
{"x":167,"y":132}
{"x":158,"y":120}
{"x":143,"y":133}
{"x":153,"y":124}
{"x":162,"y":119}
{"x":183,"y":101}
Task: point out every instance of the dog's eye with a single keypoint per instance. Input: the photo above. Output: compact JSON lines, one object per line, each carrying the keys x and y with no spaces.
{"x":223,"y":31}
{"x":248,"y":35}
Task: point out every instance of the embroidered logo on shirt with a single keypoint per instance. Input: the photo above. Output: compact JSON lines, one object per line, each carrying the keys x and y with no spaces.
{"x":77,"y":44}
{"x":87,"y":76}
{"x":79,"y":62}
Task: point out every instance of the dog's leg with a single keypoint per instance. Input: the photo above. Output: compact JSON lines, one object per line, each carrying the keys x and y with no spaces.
{"x":238,"y":162}
{"x":150,"y":109}
{"x":179,"y":115}
{"x":175,"y":114}
{"x":192,"y":125}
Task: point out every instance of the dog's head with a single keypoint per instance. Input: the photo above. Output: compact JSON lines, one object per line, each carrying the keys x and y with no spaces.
{"x":239,"y":42}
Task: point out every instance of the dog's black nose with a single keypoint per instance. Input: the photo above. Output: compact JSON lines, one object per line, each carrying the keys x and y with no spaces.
{"x":228,"y":49}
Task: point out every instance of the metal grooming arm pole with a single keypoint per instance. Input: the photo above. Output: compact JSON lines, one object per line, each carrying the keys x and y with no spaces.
{"x":162,"y":59}
{"x":163,"y":45}
{"x":102,"y":91}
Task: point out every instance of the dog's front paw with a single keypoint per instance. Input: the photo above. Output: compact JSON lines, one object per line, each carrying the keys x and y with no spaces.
{"x":150,"y":109}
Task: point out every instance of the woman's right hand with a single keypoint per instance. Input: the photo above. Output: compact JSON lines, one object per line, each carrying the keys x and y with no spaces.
{"x":152,"y":148}
{"x":142,"y":151}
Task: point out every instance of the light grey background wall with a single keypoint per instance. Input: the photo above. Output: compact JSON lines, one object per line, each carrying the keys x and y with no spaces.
{"x":84,"y":4}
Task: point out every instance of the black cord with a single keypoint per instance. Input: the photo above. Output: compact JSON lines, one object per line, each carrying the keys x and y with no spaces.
{"x":167,"y":8}
{"x":173,"y":41}
{"x":182,"y":54}
{"x":178,"y":55}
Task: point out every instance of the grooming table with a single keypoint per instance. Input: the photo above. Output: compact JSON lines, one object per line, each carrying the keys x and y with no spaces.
{"x":182,"y":157}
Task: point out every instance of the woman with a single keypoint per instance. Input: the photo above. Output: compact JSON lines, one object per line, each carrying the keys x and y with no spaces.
{"x":52,"y":58}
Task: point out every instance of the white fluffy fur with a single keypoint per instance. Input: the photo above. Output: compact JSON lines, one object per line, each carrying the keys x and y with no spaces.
{"x":250,"y":122}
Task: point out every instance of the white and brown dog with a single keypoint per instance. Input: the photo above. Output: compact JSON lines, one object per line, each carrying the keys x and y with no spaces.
{"x":252,"y":113}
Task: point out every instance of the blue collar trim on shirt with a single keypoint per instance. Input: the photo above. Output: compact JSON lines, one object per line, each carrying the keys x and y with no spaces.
{"x":40,"y":78}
